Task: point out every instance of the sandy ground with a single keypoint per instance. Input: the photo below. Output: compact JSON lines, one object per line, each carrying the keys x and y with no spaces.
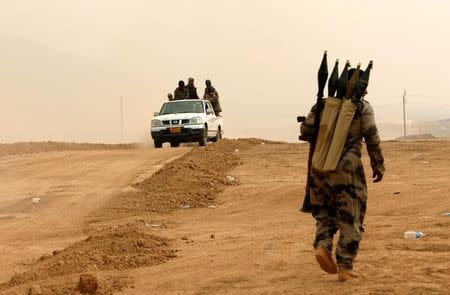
{"x":70,"y":184}
{"x":254,"y":241}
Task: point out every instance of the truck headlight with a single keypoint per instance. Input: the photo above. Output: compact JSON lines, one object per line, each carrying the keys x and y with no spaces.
{"x":156,"y":123}
{"x":196,"y":120}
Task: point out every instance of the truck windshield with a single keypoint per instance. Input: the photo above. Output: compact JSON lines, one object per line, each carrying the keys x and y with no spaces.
{"x":182,"y":107}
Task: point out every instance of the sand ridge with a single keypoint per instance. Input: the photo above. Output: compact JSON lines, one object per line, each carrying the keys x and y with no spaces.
{"x":21,"y":148}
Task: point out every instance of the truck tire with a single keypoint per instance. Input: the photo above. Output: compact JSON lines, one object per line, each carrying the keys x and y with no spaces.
{"x":158,"y":144}
{"x":204,"y":139}
{"x":174,"y":143}
{"x":218,"y":135}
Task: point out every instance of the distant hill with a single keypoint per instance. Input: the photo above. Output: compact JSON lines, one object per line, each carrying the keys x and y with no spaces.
{"x":417,"y":137}
{"x":440,"y":128}
{"x":415,"y":129}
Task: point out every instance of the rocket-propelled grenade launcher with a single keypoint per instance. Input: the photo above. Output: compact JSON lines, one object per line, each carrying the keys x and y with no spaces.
{"x":329,"y":136}
{"x":332,"y":82}
{"x":362,"y":83}
{"x":330,"y":112}
{"x":352,"y":83}
{"x":322,"y":77}
{"x":343,"y":81}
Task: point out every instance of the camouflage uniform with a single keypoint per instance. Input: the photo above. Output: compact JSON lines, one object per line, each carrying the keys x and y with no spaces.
{"x":338,"y":198}
{"x":181,"y":93}
{"x":213,"y":96}
{"x":192,"y":92}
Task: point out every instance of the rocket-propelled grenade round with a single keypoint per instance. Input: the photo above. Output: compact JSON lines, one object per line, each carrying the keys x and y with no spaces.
{"x":352,"y":82}
{"x":332,"y":82}
{"x":341,"y":84}
{"x":363,"y":82}
{"x":322,"y":75}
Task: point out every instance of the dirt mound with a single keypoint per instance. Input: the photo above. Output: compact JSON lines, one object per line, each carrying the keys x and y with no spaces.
{"x":9,"y":149}
{"x":106,"y":285}
{"x":88,"y":284}
{"x":112,"y":249}
{"x":190,"y":181}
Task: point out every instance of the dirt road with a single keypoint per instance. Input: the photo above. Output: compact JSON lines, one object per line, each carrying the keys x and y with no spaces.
{"x":254,"y":241}
{"x":262,"y":244}
{"x":70,"y":184}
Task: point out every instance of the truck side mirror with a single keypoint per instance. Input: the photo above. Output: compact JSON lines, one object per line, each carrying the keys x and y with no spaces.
{"x":155,"y":114}
{"x":209,"y":112}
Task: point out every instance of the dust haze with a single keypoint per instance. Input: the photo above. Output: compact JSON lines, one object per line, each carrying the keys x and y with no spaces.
{"x":65,"y":64}
{"x":80,"y":213}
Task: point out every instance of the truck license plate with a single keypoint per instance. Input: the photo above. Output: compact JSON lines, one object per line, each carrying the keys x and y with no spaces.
{"x":175,"y":130}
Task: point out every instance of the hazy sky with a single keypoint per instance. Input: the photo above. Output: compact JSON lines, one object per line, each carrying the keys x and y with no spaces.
{"x":64,"y":64}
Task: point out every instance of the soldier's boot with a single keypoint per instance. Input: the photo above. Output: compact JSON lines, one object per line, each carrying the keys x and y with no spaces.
{"x":325,"y":260}
{"x":346,"y":274}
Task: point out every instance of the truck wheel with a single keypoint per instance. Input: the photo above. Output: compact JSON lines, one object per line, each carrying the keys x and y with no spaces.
{"x":158,"y":144}
{"x":174,"y":144}
{"x":204,"y":138}
{"x":218,"y":135}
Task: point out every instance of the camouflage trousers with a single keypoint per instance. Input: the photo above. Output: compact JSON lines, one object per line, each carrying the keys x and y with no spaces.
{"x":338,"y":202}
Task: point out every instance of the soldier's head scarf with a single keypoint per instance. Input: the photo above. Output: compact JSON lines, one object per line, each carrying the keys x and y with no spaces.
{"x":209,"y":86}
{"x":181,"y":84}
{"x":191,"y":81}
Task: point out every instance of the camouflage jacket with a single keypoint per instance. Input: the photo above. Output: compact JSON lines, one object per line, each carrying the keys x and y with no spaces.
{"x":213,"y":97}
{"x":192,"y":92}
{"x":181,"y":94}
{"x":362,"y":127}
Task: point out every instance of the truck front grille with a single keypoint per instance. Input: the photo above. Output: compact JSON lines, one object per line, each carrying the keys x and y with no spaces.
{"x":175,"y":122}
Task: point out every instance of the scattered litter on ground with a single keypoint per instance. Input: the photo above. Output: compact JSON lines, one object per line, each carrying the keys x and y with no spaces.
{"x":184,"y":238}
{"x":35,"y":200}
{"x":425,"y":162}
{"x":263,"y":143}
{"x":396,"y":193}
{"x":153,"y":225}
{"x":236,"y":150}
{"x":185,"y":206}
{"x":425,"y":218}
{"x":418,"y":155}
{"x":212,"y":207}
{"x":446,"y":214}
{"x":213,"y":236}
{"x":230,"y":179}
{"x":413,"y":235}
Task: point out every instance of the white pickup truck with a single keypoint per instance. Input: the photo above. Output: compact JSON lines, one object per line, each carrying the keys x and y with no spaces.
{"x":190,"y":120}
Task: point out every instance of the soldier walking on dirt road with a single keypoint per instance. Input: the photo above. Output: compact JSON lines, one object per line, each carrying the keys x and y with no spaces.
{"x":338,"y":198}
